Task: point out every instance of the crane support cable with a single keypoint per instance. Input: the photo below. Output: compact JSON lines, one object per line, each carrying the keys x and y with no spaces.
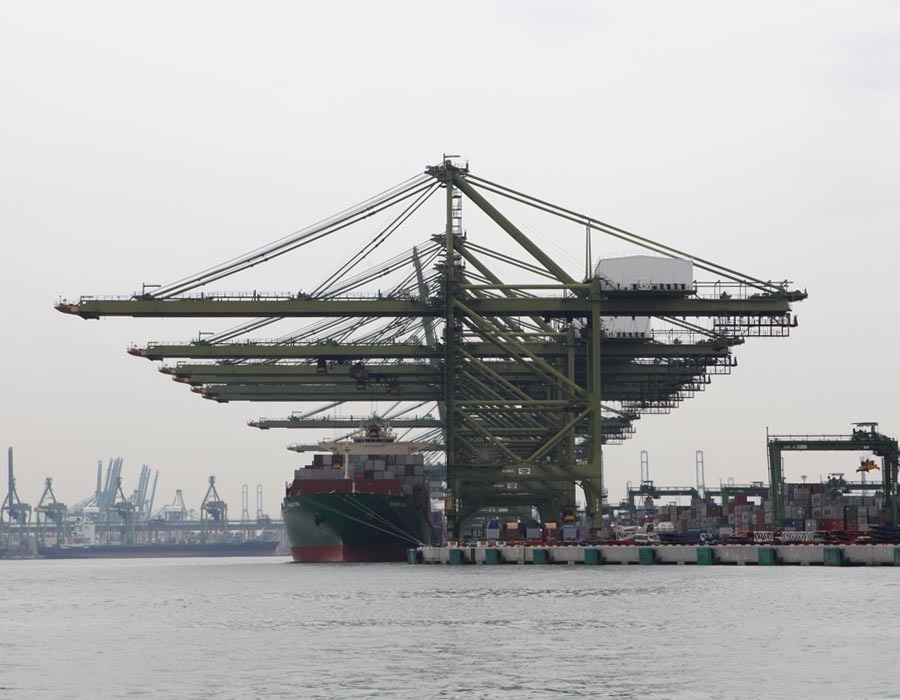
{"x":258,"y":323}
{"x":622,"y":234}
{"x":353,"y":283}
{"x":320,"y":409}
{"x":377,"y":240}
{"x":286,"y":240}
{"x":509,"y":260}
{"x":406,"y":410}
{"x":306,"y":239}
{"x":296,"y":239}
{"x":342,"y":330}
{"x":386,"y":267}
{"x":309,"y":333}
{"x":241,"y":329}
{"x":688,"y":326}
{"x":255,"y":324}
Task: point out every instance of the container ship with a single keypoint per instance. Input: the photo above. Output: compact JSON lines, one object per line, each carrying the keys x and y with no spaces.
{"x":251,"y":548}
{"x":365,"y":501}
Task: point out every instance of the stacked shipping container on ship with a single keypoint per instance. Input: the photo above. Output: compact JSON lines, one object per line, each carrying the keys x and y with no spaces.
{"x":367,"y":501}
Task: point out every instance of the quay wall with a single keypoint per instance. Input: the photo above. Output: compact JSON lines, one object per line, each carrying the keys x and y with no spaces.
{"x":737,"y":555}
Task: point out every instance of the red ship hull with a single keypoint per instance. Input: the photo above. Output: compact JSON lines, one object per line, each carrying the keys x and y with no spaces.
{"x":343,"y":553}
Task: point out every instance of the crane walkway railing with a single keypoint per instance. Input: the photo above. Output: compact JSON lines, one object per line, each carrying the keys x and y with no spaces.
{"x":238,"y":296}
{"x":821,"y":438}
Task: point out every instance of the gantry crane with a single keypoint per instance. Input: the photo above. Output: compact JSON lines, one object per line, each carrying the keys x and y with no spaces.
{"x":121,"y":515}
{"x":529,"y":377}
{"x":17,"y":514}
{"x":213,"y":512}
{"x":51,"y":516}
{"x":863,"y":438}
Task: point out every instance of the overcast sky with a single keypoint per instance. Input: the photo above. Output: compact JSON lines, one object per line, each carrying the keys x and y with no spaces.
{"x":145,"y":141}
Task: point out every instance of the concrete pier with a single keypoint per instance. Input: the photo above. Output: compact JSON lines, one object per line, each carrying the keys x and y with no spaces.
{"x":737,"y":555}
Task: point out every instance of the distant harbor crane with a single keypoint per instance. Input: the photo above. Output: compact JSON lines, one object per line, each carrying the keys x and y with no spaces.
{"x":51,"y":516}
{"x":18,"y":514}
{"x":213,"y":511}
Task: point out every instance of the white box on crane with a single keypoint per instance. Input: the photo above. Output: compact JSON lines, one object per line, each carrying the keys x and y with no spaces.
{"x":646,"y":273}
{"x":641,"y":273}
{"x":625,"y":326}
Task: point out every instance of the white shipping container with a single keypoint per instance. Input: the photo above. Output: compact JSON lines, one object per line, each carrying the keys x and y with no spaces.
{"x":645,"y":273}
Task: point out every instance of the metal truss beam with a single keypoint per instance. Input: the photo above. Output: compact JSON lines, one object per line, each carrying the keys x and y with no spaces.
{"x":483,"y":350}
{"x":547,"y":307}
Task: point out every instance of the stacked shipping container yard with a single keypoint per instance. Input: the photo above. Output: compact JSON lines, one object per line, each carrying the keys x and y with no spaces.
{"x":807,"y":507}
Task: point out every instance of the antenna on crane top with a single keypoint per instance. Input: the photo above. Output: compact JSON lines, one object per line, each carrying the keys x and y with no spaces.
{"x":245,"y":503}
{"x":645,"y":467}
{"x":588,"y":258}
{"x":701,"y":475}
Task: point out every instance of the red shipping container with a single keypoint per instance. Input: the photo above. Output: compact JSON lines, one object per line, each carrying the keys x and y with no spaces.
{"x":320,"y":486}
{"x":739,"y":500}
{"x":384,"y":487}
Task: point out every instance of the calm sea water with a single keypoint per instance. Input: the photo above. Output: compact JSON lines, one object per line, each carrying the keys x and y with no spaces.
{"x":264,"y":628}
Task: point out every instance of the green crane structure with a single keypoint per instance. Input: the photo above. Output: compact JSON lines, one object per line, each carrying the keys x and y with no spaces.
{"x":50,"y":517}
{"x":18,"y":514}
{"x":530,"y":376}
{"x":121,"y":516}
{"x":213,"y":512}
{"x":864,"y":438}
